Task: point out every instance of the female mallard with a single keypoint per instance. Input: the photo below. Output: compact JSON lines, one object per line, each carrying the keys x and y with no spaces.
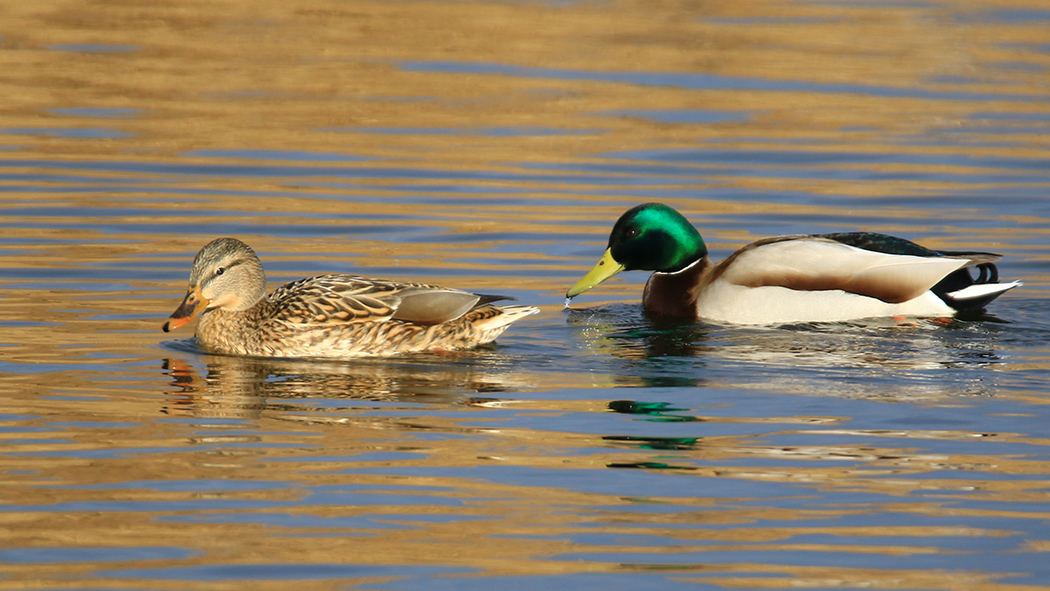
{"x":816,"y":278}
{"x":333,"y":316}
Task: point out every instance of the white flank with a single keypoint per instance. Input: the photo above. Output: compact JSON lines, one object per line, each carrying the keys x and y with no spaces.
{"x":735,"y":304}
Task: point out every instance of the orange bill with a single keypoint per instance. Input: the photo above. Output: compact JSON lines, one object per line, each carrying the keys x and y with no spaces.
{"x":191,"y":306}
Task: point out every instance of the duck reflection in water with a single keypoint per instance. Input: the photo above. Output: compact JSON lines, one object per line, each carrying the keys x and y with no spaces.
{"x":240,"y":387}
{"x":878,"y":358}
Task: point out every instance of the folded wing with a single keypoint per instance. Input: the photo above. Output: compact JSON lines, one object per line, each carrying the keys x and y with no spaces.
{"x":339,"y":299}
{"x":814,"y":263}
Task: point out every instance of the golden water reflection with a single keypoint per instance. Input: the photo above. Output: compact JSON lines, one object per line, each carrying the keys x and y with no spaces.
{"x":490,"y":146}
{"x":430,"y":479}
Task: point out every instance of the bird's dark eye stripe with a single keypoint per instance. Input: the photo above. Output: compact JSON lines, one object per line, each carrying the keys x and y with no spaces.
{"x":221,"y":270}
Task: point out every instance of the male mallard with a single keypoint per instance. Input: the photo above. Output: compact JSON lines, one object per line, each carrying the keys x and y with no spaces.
{"x":816,"y":278}
{"x":333,"y":316}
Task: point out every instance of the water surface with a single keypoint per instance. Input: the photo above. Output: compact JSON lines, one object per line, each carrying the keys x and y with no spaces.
{"x":490,"y":146}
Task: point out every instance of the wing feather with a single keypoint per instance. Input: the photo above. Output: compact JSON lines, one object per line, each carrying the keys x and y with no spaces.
{"x":341,"y":299}
{"x":434,"y":306}
{"x":810,"y":263}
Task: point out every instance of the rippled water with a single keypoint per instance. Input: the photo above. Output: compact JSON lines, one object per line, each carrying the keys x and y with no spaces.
{"x":490,"y":146}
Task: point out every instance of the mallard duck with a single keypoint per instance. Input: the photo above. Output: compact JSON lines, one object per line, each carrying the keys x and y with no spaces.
{"x":329,"y":316}
{"x":814,"y":278}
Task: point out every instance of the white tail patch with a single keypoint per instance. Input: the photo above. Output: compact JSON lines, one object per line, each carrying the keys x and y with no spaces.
{"x":981,"y":290}
{"x":510,"y":315}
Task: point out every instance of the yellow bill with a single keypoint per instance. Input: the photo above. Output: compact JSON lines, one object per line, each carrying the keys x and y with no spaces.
{"x":606,"y":268}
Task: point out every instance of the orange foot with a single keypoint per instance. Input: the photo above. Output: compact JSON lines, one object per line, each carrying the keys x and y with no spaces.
{"x":904,"y":321}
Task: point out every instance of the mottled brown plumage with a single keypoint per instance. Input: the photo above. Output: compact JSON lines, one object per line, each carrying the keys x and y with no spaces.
{"x":328,"y":316}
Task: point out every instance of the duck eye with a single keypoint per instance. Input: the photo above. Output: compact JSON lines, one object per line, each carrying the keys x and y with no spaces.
{"x":632,"y":232}
{"x":220,"y":271}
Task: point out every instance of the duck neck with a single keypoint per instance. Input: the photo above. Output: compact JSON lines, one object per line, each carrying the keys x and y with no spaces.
{"x":675,"y":294}
{"x":227,"y":331}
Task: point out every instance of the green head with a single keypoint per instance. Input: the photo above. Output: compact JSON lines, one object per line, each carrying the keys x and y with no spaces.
{"x":649,"y":237}
{"x":654,"y":237}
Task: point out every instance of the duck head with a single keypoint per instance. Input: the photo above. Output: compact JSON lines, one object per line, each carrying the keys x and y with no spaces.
{"x":648,"y":237}
{"x":227,"y":275}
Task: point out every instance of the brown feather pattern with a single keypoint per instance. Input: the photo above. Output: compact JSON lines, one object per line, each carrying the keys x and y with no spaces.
{"x":334,"y":315}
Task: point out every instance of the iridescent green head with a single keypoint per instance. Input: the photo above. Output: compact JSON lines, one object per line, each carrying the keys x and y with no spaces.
{"x":654,"y":237}
{"x":649,"y":237}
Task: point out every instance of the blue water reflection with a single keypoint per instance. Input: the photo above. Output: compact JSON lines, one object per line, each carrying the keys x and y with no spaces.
{"x":491,"y":146}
